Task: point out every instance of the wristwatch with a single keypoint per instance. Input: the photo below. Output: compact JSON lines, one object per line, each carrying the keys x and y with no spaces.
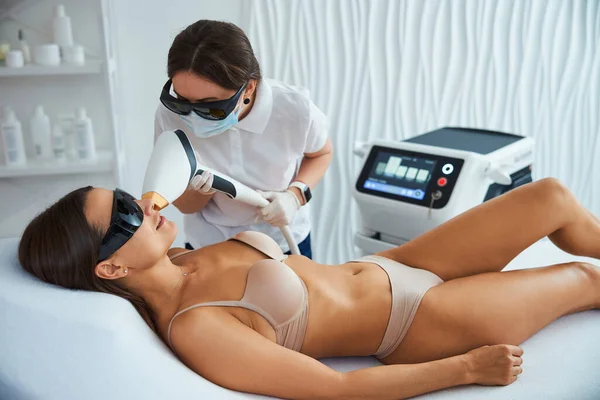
{"x":304,"y":189}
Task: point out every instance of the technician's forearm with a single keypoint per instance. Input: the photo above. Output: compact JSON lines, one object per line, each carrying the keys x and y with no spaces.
{"x":312,"y":169}
{"x":191,"y":201}
{"x":395,"y":382}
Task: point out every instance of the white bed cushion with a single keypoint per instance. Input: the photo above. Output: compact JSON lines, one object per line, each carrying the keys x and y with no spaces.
{"x":62,"y":344}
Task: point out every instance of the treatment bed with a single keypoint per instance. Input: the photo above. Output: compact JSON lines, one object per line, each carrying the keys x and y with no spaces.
{"x":63,"y":344}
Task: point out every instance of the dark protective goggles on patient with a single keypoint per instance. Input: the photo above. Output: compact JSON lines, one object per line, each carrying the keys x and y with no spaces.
{"x":126,"y":218}
{"x":211,"y":110}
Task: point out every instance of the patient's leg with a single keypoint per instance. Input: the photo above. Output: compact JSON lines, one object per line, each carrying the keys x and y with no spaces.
{"x":497,"y":307}
{"x":488,"y":237}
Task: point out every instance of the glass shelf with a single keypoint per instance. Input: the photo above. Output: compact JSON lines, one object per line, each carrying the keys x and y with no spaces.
{"x":90,"y":67}
{"x":104,"y":162}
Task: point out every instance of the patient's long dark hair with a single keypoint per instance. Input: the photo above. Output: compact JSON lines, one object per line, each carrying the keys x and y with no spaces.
{"x":60,"y":247}
{"x":218,"y":51}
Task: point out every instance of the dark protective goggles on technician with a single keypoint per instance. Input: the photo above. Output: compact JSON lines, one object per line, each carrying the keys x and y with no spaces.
{"x":211,"y":110}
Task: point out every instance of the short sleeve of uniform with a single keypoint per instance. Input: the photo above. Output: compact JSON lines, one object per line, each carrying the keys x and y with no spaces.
{"x":318,"y":130}
{"x":158,"y":126}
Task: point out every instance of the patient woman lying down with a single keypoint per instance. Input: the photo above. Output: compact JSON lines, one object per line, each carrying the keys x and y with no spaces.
{"x":436,"y":311}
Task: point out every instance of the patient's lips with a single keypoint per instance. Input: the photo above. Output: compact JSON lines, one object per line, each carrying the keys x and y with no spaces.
{"x":161,"y":221}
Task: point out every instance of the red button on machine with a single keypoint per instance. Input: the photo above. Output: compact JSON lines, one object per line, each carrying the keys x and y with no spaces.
{"x":442,"y":181}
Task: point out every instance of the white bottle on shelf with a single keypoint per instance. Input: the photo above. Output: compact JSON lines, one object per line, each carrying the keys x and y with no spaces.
{"x":63,"y":35}
{"x":58,"y":143}
{"x":12,"y":139}
{"x":66,"y":122}
{"x":41,"y":134}
{"x":84,"y":133}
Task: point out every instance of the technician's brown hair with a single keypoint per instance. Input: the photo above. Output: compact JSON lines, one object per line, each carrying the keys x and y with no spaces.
{"x":218,"y":51}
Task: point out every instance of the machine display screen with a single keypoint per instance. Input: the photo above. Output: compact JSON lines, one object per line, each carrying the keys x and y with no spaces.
{"x":401,"y":175}
{"x":409,"y":176}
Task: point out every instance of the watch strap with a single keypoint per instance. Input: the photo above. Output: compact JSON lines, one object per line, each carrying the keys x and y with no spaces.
{"x":303,"y":188}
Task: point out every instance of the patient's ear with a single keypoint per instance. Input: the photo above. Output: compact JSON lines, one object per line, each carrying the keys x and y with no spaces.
{"x":107,"y":270}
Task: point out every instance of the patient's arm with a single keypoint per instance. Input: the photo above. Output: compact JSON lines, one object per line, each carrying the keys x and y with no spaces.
{"x":220,"y":348}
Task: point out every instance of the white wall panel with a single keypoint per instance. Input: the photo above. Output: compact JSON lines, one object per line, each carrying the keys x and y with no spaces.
{"x":393,"y":69}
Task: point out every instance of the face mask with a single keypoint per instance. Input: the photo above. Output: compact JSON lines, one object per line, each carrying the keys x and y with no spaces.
{"x":204,"y":128}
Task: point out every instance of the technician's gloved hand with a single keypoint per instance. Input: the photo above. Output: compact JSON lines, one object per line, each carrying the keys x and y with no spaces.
{"x":203,"y":183}
{"x":282,"y":209}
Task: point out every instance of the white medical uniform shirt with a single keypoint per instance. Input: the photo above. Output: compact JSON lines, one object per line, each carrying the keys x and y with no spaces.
{"x":263,"y":152}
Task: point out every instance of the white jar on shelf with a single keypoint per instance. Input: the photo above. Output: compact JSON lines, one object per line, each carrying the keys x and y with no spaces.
{"x":14,"y":59}
{"x":47,"y":55}
{"x":73,"y":55}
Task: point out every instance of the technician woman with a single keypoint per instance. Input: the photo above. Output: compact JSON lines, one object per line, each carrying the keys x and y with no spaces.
{"x":263,"y":133}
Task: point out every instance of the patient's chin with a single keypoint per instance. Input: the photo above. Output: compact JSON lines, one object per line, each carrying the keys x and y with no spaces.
{"x":171,"y":230}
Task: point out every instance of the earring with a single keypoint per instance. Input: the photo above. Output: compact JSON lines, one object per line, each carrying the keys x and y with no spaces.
{"x":125,"y":270}
{"x":246,"y":101}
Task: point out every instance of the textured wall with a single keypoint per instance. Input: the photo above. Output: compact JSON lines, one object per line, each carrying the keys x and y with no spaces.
{"x":393,"y":69}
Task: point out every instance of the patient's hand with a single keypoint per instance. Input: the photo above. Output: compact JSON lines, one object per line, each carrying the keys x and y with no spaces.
{"x":494,"y":365}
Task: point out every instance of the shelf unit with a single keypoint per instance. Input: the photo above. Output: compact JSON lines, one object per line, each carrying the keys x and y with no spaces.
{"x":27,"y":189}
{"x":101,"y":66}
{"x":90,"y":67}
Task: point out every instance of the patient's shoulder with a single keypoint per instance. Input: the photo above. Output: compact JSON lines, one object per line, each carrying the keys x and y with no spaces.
{"x":198,"y":325}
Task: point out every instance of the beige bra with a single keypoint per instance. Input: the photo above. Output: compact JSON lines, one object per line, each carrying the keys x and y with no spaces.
{"x":273,"y":290}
